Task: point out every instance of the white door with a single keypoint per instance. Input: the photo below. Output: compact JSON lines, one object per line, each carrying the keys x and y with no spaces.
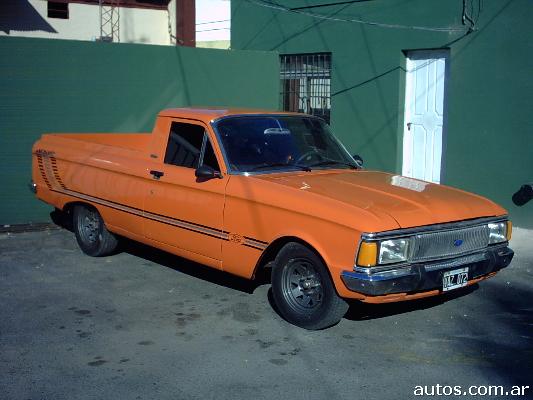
{"x":425,"y":96}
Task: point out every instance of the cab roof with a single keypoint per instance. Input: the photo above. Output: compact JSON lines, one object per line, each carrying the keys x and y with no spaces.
{"x":209,"y":114}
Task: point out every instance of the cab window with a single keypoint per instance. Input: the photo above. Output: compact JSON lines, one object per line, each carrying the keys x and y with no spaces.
{"x":185,"y":145}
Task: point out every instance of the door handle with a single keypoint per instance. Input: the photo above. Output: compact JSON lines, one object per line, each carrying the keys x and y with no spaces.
{"x":156,"y":174}
{"x":409,"y":126}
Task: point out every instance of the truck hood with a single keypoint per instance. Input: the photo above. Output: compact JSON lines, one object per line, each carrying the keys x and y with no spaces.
{"x":410,"y":202}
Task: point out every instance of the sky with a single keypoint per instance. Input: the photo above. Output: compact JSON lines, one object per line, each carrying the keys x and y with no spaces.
{"x":209,"y":11}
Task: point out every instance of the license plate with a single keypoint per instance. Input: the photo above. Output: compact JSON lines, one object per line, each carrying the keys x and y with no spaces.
{"x":455,"y":279}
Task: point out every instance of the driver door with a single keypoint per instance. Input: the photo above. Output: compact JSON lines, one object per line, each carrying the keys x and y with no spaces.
{"x":180,"y":210}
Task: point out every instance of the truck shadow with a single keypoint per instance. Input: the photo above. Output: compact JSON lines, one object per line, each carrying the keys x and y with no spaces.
{"x":506,"y":344}
{"x":174,"y":262}
{"x":360,"y":311}
{"x":188,"y":267}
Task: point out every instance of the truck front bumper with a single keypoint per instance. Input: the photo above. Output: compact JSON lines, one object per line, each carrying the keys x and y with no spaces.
{"x":427,"y":276}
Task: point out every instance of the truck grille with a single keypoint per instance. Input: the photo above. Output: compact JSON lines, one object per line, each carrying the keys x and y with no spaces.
{"x":444,"y":244}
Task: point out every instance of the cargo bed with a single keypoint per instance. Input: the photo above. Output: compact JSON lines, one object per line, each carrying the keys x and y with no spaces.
{"x":130,"y":141}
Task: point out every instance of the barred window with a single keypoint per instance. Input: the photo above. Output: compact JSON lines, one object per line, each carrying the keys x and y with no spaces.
{"x":306,"y":83}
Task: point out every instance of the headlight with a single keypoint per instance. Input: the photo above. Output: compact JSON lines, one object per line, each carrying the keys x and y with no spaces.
{"x":497,"y":232}
{"x":385,"y":252}
{"x":393,"y":251}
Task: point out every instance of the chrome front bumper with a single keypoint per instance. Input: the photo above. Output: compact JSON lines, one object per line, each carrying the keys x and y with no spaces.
{"x":424,"y":276}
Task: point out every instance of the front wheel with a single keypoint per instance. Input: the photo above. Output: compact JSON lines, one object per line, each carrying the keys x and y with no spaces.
{"x":93,"y":237}
{"x":303,"y":291}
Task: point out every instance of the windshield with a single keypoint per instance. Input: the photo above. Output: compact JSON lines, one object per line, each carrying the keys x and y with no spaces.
{"x":281,"y":142}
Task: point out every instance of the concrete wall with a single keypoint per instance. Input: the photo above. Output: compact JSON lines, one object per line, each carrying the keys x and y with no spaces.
{"x":73,"y":86}
{"x":490,"y":130}
{"x":28,"y":18}
{"x":214,"y":44}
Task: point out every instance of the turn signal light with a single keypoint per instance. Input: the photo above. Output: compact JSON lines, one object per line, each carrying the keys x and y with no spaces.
{"x":509,"y":230}
{"x":367,"y":255}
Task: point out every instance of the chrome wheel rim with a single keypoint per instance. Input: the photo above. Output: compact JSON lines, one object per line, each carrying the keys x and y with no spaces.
{"x":302,"y":285}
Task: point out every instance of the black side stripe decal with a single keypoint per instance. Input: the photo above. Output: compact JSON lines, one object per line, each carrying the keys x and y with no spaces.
{"x":255,"y":244}
{"x":131,"y":210}
{"x":190,"y":226}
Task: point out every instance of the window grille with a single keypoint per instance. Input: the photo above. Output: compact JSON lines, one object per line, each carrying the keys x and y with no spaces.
{"x":306,"y":83}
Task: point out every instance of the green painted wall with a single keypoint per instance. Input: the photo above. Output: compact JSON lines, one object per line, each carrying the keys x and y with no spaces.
{"x":490,"y":129}
{"x":67,"y":86}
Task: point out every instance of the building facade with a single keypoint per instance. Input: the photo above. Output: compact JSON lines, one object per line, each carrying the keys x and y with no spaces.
{"x":124,"y":21}
{"x":135,"y":21}
{"x":436,"y":90}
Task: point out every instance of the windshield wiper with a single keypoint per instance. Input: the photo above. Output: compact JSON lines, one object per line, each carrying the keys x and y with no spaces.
{"x":274,"y":165}
{"x":332,"y":162}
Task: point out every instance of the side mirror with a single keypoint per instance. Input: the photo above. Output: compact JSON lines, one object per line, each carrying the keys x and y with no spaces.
{"x":205,"y":172}
{"x":358,"y":160}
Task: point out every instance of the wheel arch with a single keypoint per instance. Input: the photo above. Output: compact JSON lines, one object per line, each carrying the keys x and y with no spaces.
{"x":270,"y":253}
{"x":63,"y":215}
{"x":68,"y":208}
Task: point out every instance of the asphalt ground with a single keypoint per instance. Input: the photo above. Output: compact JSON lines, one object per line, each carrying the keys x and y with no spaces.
{"x":143,"y":324}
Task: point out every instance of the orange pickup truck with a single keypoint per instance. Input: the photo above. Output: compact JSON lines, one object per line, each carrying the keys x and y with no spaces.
{"x":243,"y":190}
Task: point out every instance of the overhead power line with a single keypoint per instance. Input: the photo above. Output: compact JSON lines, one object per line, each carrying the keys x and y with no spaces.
{"x":212,"y":22}
{"x":328,"y":4}
{"x":279,"y":7}
{"x":214,"y":29}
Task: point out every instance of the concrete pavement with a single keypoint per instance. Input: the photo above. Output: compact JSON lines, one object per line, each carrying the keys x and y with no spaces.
{"x":147,"y":325}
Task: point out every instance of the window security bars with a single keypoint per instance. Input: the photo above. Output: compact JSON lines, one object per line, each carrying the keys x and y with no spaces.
{"x":306,"y":83}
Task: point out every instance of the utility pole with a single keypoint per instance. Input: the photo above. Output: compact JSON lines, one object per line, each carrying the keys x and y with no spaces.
{"x":109,"y":21}
{"x":185,"y":23}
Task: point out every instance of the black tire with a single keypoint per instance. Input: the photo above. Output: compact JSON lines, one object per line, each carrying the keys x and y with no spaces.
{"x":303,"y":291}
{"x":93,"y":237}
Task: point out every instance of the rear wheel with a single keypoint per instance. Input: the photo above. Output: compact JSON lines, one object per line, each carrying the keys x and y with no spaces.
{"x":303,"y":291}
{"x":93,"y":237}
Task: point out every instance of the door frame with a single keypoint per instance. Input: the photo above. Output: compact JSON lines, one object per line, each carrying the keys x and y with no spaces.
{"x":402,"y":121}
